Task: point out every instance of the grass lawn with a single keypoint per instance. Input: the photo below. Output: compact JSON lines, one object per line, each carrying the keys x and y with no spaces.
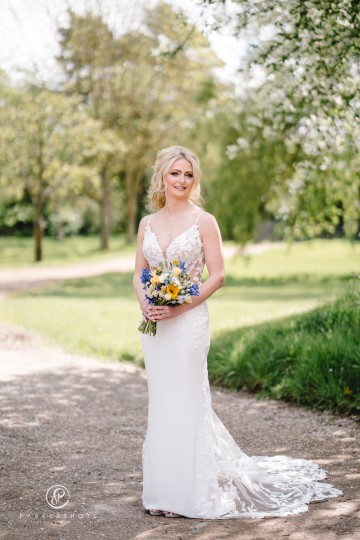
{"x":312,"y":358}
{"x":99,"y":315}
{"x":19,"y":252}
{"x":282,"y":282}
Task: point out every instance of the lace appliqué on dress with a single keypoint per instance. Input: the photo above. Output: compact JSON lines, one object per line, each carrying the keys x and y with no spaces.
{"x":186,"y":246}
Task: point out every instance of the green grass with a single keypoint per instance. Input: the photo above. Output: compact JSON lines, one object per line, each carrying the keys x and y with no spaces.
{"x":311,"y":258}
{"x":19,"y":252}
{"x":282,"y":282}
{"x":312,"y":359}
{"x":99,"y":316}
{"x":95,"y":316}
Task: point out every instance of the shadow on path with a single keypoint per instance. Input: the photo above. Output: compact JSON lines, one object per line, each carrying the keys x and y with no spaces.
{"x":81,"y":423}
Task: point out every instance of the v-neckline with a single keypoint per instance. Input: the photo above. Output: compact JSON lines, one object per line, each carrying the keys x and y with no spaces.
{"x":172,"y":241}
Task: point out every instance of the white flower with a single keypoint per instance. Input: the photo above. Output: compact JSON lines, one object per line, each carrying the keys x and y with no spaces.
{"x":167,"y":296}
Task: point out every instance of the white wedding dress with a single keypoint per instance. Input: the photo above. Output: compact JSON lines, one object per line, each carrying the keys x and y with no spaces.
{"x":191,"y":464}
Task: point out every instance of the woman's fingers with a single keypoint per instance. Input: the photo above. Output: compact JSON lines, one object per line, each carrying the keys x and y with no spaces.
{"x":159,"y":312}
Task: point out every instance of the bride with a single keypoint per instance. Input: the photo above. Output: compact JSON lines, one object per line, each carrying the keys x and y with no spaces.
{"x":191,"y":464}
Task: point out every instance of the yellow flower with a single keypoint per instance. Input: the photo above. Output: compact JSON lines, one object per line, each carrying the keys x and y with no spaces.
{"x":163,"y":288}
{"x":347,"y":391}
{"x":176,"y":271}
{"x":176,"y":262}
{"x":188,"y":299}
{"x":174,"y":291}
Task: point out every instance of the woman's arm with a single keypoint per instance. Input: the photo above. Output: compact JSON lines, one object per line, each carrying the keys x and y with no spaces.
{"x":214,"y":260}
{"x":140,"y":263}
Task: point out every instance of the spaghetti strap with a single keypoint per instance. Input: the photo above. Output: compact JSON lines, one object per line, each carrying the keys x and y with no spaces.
{"x":149,"y":220}
{"x":200,"y":214}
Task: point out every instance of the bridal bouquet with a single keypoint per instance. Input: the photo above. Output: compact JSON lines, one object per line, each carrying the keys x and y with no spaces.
{"x":166,"y":285}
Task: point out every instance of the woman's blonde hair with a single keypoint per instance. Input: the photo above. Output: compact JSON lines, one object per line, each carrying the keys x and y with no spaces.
{"x":164,"y":160}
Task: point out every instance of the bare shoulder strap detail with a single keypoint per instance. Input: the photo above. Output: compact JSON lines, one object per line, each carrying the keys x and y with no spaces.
{"x":200,"y":214}
{"x":149,"y":216}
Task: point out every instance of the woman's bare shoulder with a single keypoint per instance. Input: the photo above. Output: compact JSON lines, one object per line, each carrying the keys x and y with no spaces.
{"x":146,"y":218}
{"x":142,"y":224}
{"x":206,"y":217}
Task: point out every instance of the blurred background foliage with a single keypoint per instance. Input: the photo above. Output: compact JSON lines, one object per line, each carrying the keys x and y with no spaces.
{"x":279,"y":149}
{"x":280,"y":157}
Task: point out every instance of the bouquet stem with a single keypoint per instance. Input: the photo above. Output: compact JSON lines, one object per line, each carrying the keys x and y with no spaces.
{"x":148,"y":327}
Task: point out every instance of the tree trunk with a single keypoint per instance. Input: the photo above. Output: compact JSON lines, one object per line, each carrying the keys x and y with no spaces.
{"x":38,"y":233}
{"x":105,"y":209}
{"x":133,"y":187}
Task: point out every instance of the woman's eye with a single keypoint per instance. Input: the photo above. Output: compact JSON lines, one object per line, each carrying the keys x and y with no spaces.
{"x":176,"y":174}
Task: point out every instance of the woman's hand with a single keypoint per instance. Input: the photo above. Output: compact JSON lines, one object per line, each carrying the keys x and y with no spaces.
{"x":144,"y":306}
{"x":163,"y":313}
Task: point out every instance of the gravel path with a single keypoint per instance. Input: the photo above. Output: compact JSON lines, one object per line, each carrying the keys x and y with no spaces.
{"x":22,"y":279}
{"x":80,"y":423}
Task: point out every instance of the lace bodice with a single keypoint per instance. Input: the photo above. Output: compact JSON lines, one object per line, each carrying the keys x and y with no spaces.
{"x":186,"y":246}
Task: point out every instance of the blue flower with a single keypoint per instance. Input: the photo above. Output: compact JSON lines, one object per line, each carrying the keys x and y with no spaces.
{"x":145,"y":275}
{"x":194,"y":289}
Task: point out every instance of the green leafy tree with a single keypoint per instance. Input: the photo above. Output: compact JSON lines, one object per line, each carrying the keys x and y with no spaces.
{"x":47,"y":144}
{"x":141,"y":89}
{"x":308,"y":53}
{"x":246,"y":167}
{"x":89,"y":54}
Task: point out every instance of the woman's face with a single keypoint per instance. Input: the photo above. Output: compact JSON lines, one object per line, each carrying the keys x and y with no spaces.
{"x":179,"y":179}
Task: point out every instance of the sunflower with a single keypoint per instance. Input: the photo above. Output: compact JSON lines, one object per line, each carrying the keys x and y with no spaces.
{"x":173,"y":290}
